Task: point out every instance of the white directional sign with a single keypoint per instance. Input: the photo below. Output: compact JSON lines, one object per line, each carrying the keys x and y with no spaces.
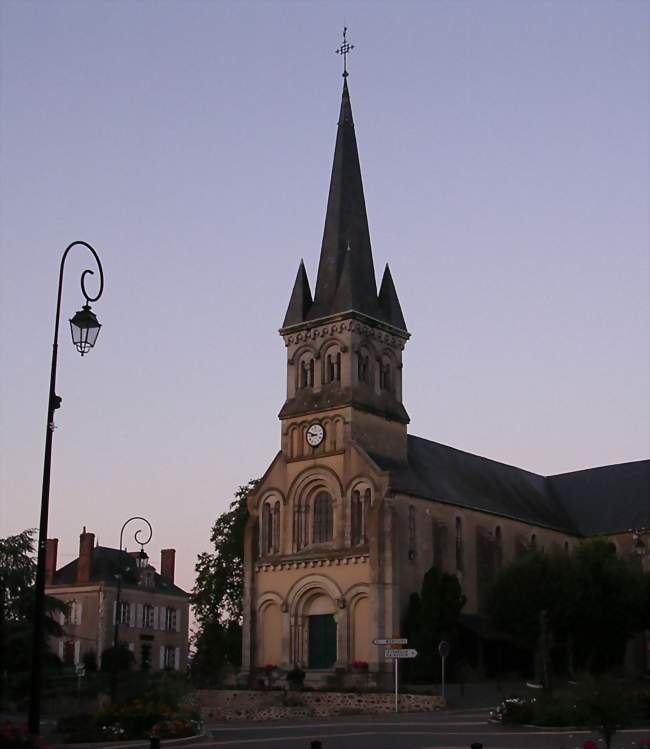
{"x":391,"y":641}
{"x":406,"y":653}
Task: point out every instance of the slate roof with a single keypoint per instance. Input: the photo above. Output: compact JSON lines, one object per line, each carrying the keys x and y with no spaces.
{"x":107,"y":563}
{"x":579,"y":503}
{"x":607,"y":499}
{"x":346,"y":275}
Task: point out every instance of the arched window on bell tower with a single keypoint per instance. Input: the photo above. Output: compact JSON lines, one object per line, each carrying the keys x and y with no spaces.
{"x":306,"y":372}
{"x":323,"y":518}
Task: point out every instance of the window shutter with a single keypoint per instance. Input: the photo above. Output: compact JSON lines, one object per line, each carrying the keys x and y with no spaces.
{"x":139,"y":622}
{"x":77,"y":650}
{"x":114,"y":611}
{"x":79,"y":611}
{"x":178,"y":620}
{"x":177,"y":659}
{"x":61,"y":649}
{"x":155,"y":617}
{"x":162,"y":657}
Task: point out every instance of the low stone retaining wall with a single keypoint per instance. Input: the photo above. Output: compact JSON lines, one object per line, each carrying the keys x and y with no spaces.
{"x":227,"y":705}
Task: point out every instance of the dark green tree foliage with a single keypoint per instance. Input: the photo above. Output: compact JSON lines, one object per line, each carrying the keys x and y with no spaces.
{"x":17,"y":576}
{"x":217,"y":594}
{"x":431,"y":617}
{"x":593,"y":602}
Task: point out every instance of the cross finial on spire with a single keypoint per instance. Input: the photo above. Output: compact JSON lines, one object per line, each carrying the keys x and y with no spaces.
{"x":344,"y":50}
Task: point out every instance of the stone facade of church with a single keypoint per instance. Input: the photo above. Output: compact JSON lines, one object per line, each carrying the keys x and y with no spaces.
{"x":353,"y":511}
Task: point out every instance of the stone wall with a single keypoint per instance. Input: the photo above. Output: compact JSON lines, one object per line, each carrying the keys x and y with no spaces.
{"x":227,"y":705}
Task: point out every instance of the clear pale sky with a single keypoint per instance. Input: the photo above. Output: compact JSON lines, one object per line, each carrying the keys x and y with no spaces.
{"x":504,"y":148}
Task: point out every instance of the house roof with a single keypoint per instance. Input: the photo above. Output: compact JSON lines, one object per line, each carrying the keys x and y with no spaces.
{"x":579,"y":503}
{"x":107,"y":564}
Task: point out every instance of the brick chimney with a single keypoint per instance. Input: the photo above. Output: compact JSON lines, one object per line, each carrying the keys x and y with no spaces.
{"x":85,"y":563}
{"x":50,"y":559}
{"x":167,"y":562}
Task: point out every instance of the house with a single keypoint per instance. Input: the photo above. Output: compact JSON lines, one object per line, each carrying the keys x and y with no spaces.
{"x":153,"y":613}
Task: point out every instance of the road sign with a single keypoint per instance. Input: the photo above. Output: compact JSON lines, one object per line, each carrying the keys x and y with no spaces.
{"x":407,"y":653}
{"x":391,"y":641}
{"x":443,"y":648}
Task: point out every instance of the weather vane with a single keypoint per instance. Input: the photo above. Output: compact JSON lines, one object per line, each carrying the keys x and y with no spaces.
{"x":344,"y":49}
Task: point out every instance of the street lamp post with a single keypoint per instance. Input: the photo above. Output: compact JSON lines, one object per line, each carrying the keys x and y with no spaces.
{"x":118,"y":595}
{"x":85,"y":329}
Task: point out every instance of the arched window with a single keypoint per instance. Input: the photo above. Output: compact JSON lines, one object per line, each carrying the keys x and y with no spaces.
{"x":356,"y":519}
{"x":300,"y":524}
{"x":412,"y":544}
{"x":384,"y":375}
{"x":323,"y":518}
{"x":366,"y":512}
{"x":498,"y":548}
{"x":333,"y":367}
{"x":460,"y":554}
{"x":270,"y":528}
{"x":307,"y":373}
{"x":363,"y":368}
{"x":275,"y":525}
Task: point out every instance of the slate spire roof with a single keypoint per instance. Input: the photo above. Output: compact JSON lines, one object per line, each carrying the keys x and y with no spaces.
{"x":346,"y":274}
{"x":300,"y":301}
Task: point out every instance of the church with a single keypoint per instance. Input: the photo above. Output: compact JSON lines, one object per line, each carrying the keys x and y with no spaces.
{"x":354,"y":510}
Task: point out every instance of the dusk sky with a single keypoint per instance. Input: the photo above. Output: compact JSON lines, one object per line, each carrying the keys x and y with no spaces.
{"x":504,"y":148}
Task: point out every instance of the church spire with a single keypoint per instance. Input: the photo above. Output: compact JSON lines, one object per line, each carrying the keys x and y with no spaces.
{"x":346,"y":226}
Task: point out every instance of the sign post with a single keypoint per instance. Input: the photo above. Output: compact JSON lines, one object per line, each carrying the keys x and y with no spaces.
{"x":395,"y":652}
{"x":443,"y":650}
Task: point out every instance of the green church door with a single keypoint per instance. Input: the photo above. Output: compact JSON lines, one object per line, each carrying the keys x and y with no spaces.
{"x":322,"y":641}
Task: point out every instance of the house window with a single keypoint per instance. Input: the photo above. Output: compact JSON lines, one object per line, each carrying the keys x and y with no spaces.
{"x":323,"y":518}
{"x":460,"y":555}
{"x":412,"y":543}
{"x":170,"y":657}
{"x":333,"y":367}
{"x":68,"y":653}
{"x":170,"y":618}
{"x":145,"y":656}
{"x":73,"y":613}
{"x":307,"y":373}
{"x":124,"y":612}
{"x":363,"y":373}
{"x":147,"y":616}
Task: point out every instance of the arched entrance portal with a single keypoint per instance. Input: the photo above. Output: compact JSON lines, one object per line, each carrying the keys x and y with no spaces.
{"x":316,"y":628}
{"x":321,"y":633}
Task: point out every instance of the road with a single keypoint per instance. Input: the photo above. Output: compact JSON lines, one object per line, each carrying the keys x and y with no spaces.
{"x":449,"y":729}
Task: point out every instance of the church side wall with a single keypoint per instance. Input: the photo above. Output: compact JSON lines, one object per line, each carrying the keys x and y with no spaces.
{"x":427,"y":536}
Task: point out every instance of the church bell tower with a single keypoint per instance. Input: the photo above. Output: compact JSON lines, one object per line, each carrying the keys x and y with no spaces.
{"x":344,"y":343}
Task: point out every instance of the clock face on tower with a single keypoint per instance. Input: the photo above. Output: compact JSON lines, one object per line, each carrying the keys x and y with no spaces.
{"x":315,"y":435}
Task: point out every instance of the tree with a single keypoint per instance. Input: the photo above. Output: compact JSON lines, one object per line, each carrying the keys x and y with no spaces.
{"x":17,"y":576}
{"x":431,"y":617}
{"x":577,"y":601}
{"x":217,"y":594}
